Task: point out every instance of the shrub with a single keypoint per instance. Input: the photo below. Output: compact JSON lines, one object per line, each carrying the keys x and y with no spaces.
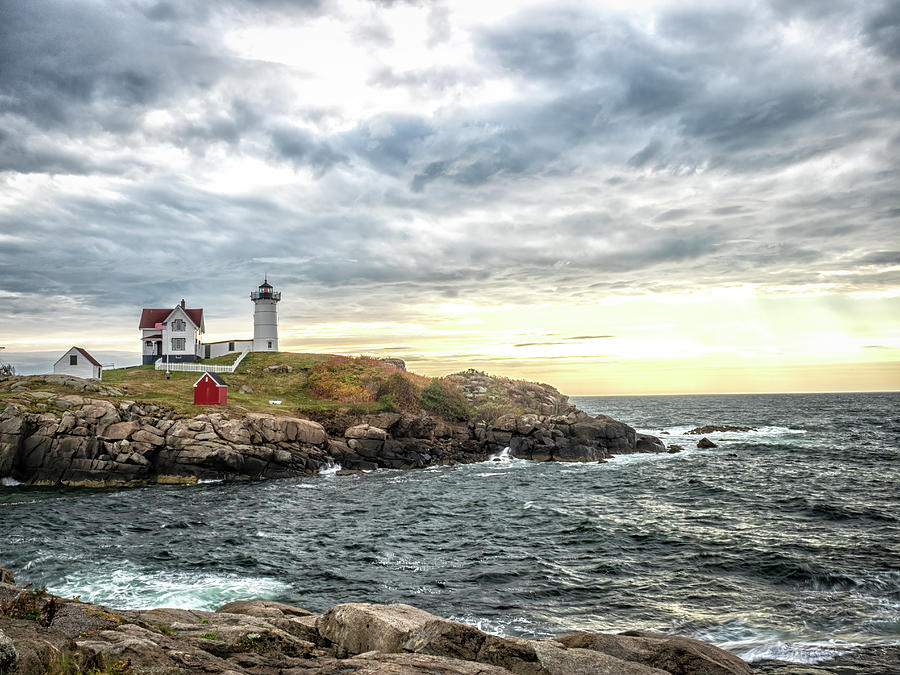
{"x":346,"y":379}
{"x":446,"y":399}
{"x":399,"y":392}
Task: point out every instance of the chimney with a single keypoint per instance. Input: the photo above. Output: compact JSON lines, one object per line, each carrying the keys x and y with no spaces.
{"x":182,"y":303}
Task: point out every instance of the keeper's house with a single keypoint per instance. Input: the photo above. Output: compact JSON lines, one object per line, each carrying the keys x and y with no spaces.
{"x":173,"y":334}
{"x":80,"y":363}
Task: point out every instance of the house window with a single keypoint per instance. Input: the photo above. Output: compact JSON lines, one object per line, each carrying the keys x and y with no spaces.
{"x":149,"y":343}
{"x":177,"y":344}
{"x":270,"y":344}
{"x":73,"y":360}
{"x":231,"y":346}
{"x":178,"y":324}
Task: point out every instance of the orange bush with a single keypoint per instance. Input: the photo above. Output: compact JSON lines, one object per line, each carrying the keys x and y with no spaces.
{"x":348,"y":379}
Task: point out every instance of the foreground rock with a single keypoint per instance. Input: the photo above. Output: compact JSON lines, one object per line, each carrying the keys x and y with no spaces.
{"x":43,"y":633}
{"x":69,"y":439}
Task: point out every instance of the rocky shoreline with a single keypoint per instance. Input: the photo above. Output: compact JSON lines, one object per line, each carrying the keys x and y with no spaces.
{"x":50,"y":438}
{"x":43,"y":633}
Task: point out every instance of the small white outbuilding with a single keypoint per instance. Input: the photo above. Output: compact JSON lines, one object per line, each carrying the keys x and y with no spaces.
{"x":80,"y":363}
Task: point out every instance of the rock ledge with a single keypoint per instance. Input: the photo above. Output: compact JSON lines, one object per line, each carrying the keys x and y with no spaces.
{"x":40,"y":633}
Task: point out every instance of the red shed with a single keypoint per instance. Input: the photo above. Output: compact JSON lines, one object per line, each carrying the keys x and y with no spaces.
{"x":210,"y":389}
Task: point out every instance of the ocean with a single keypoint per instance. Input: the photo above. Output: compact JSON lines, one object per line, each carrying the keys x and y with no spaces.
{"x":783,"y":542}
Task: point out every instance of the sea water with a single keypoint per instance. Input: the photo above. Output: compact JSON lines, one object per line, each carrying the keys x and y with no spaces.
{"x":783,"y":542}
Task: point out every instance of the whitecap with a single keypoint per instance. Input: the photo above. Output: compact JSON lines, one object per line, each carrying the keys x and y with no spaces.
{"x":8,"y":481}
{"x":794,"y":652}
{"x":513,"y":625}
{"x":135,"y":588}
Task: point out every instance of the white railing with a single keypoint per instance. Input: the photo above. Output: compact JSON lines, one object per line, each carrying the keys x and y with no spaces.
{"x":200,"y":367}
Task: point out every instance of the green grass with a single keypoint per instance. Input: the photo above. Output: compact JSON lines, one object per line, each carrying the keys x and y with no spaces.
{"x":224,"y":360}
{"x":337,"y":383}
{"x":144,"y":383}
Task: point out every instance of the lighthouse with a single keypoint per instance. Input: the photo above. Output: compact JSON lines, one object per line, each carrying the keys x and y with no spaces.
{"x":265,"y":318}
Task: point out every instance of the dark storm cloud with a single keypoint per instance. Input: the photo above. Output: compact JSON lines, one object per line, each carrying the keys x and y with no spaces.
{"x":533,"y":51}
{"x":75,"y":65}
{"x":882,"y":29}
{"x":389,"y":141}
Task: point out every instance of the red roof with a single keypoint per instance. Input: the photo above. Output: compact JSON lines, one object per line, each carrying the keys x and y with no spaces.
{"x":90,"y":358}
{"x":215,"y":378}
{"x":151,"y":317}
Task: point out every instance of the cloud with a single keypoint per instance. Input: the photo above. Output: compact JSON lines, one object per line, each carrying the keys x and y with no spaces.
{"x":882,"y":29}
{"x":559,"y":155}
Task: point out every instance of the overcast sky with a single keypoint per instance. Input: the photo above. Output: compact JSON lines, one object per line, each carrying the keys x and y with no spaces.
{"x":609,"y":196}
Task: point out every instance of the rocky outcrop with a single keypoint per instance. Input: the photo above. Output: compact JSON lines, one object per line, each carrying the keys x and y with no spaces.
{"x":26,"y":382}
{"x":514,"y":396}
{"x":94,"y":442}
{"x":394,"y":362}
{"x":259,"y":636}
{"x":48,"y":438}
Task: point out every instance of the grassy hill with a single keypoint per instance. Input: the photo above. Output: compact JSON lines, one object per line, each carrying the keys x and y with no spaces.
{"x":316,"y":382}
{"x":319,"y":386}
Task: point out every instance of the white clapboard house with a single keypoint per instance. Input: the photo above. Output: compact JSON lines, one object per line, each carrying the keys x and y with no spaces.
{"x":78,"y":362}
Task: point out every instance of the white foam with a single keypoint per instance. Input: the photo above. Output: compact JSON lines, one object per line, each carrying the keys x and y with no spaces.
{"x":503,"y":454}
{"x":682,"y":430}
{"x":331,"y":468}
{"x":513,"y":625}
{"x":9,"y":482}
{"x":795,"y":652}
{"x":632,"y":458}
{"x":137,"y":589}
{"x":773,"y":431}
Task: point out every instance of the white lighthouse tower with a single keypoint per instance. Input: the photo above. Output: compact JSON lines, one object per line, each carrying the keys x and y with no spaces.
{"x":265,"y":318}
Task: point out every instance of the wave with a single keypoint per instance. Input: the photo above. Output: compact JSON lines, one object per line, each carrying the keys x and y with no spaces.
{"x":795,"y":652}
{"x":755,"y":432}
{"x":136,"y":588}
{"x":330,"y":469}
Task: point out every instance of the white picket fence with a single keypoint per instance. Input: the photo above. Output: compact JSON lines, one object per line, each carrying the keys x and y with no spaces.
{"x":200,"y":367}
